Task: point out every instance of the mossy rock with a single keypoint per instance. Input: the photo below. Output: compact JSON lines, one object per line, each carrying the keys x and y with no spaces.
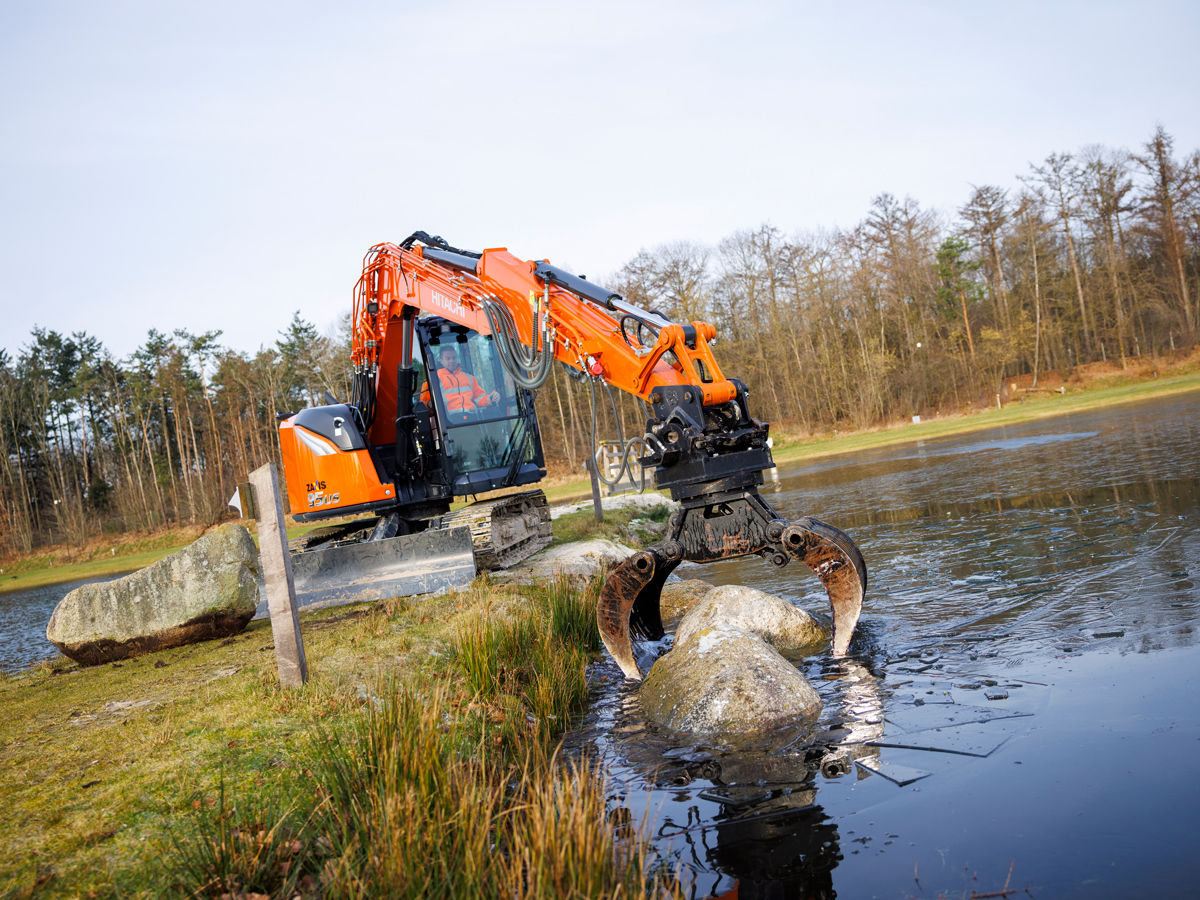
{"x":728,"y":687}
{"x":209,"y":589}
{"x":787,"y":628}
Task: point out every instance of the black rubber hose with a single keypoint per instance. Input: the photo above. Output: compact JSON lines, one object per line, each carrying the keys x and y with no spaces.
{"x":528,"y":367}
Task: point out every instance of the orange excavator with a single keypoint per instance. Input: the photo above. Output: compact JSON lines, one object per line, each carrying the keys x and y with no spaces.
{"x":449,"y":346}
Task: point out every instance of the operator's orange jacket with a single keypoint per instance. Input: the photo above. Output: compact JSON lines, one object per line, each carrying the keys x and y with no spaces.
{"x":460,"y":389}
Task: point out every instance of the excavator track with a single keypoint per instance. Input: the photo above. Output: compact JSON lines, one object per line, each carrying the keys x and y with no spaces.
{"x":505,"y":530}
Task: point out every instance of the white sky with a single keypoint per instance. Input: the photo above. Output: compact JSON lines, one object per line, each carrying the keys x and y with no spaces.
{"x":219,"y":165}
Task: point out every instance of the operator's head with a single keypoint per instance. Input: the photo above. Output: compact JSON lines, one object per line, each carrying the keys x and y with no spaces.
{"x":448,"y":358}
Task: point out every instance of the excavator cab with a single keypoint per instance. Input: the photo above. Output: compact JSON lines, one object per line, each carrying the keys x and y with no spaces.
{"x":452,"y":424}
{"x":488,"y":426}
{"x":464,"y":428}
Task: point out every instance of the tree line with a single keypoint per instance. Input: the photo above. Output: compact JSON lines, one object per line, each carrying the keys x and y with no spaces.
{"x":1093,"y":255}
{"x":91,"y":444}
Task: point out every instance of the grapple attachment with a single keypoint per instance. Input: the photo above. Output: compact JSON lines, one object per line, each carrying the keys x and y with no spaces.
{"x":725,"y":526}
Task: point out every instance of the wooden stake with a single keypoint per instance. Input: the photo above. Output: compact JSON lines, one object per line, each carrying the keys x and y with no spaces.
{"x":277,"y":571}
{"x":597,"y":503}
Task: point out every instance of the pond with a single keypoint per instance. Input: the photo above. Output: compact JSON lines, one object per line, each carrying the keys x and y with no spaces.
{"x":23,"y":618}
{"x":1019,"y":707}
{"x":1019,"y":704}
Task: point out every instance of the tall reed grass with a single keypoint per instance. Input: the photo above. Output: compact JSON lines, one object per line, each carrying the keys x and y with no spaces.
{"x":413,"y":807}
{"x":425,"y":796}
{"x":258,"y":845}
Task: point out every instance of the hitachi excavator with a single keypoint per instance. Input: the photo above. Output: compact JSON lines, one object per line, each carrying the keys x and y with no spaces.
{"x":448,"y":347}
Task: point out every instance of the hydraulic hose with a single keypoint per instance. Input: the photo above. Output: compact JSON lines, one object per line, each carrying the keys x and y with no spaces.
{"x":528,"y":367}
{"x":362,"y":397}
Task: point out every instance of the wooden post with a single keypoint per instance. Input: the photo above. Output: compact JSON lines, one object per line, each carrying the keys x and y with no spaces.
{"x":277,"y":570}
{"x":597,"y":503}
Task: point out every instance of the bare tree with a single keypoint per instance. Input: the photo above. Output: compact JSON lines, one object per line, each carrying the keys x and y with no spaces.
{"x":1058,"y":176}
{"x":1172,"y":186}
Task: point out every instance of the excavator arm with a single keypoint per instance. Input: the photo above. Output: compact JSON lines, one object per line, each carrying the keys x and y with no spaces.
{"x":537,"y":298}
{"x":700,"y":439}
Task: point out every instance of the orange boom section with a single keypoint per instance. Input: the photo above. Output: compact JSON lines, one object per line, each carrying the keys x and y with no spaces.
{"x":390,"y":448}
{"x":575,"y":312}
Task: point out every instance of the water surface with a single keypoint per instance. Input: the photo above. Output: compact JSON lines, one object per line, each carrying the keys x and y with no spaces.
{"x":1021,"y":691}
{"x":24,"y":616}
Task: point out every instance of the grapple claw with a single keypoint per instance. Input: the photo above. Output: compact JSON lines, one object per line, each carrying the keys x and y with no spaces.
{"x":726,"y":526}
{"x":839,"y":565}
{"x":629,"y":603}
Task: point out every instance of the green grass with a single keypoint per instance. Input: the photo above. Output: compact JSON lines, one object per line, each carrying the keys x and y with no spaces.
{"x":628,"y":525}
{"x":573,"y":613}
{"x":191,"y":773}
{"x":530,"y":665}
{"x":56,"y":566}
{"x":497,"y":655}
{"x":96,"y":568}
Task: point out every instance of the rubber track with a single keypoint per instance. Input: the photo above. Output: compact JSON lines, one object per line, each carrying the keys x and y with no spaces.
{"x":505,"y":530}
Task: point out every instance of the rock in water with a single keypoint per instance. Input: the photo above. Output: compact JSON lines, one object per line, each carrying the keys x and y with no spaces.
{"x":729,"y":686}
{"x":725,"y":679}
{"x":207,"y":590}
{"x":680,"y":596}
{"x":787,"y":628}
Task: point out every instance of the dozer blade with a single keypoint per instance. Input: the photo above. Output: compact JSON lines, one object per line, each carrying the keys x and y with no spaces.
{"x":375,"y":570}
{"x":738,"y":524}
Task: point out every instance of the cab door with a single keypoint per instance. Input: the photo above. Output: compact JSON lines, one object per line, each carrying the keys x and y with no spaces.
{"x":488,"y":425}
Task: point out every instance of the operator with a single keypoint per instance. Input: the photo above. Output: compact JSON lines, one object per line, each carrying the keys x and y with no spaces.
{"x":460,"y":388}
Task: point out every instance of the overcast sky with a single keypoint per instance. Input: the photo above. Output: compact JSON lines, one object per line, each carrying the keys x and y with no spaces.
{"x":220,"y":165}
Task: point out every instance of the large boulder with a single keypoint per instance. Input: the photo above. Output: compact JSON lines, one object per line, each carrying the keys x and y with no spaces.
{"x":678,"y":597}
{"x":728,"y":686}
{"x":726,"y":679}
{"x":580,"y":559}
{"x":787,"y":628}
{"x":207,"y":590}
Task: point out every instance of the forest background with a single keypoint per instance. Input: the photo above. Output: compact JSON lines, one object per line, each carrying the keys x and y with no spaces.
{"x":1092,"y":255}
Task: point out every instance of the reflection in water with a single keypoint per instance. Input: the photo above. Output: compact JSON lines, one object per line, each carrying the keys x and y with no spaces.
{"x":748,"y":820}
{"x":991,"y":554}
{"x":771,"y":836}
{"x":862,"y":714}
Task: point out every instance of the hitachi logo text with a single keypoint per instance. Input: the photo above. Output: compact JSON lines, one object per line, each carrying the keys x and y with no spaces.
{"x":451,"y":306}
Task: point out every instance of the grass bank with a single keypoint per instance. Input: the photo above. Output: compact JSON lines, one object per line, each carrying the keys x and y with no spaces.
{"x":101,"y":557}
{"x":417,"y":762}
{"x":789,"y":447}
{"x":108,"y":557}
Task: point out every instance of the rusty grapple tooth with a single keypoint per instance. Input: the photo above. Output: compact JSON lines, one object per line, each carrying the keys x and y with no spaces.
{"x":629,"y":603}
{"x":839,"y":565}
